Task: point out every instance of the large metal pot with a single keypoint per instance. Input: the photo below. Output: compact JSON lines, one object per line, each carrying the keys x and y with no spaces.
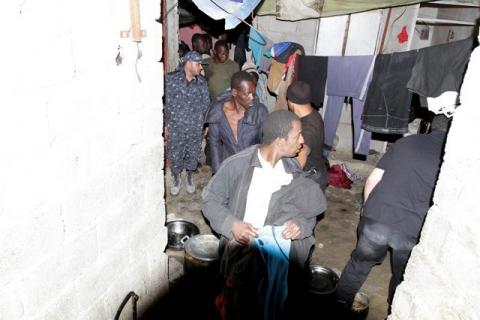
{"x":179,"y":231}
{"x":201,"y":253}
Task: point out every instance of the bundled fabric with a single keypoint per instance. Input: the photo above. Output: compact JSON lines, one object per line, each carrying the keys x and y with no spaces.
{"x":313,"y":70}
{"x":338,"y":178}
{"x":282,"y":51}
{"x":387,"y":106}
{"x":274,"y":250}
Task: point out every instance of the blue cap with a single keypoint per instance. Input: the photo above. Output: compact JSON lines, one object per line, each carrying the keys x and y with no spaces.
{"x":193,"y":56}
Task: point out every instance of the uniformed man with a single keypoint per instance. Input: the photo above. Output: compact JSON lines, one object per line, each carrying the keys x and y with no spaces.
{"x":186,"y":103}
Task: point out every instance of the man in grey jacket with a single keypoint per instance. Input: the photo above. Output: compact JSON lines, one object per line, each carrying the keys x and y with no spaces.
{"x":265,"y":186}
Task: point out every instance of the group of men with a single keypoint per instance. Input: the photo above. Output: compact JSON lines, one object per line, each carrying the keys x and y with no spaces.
{"x":268,"y":184}
{"x":226,"y":103}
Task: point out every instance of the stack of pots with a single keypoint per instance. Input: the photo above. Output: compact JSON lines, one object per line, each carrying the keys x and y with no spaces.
{"x":201,"y":250}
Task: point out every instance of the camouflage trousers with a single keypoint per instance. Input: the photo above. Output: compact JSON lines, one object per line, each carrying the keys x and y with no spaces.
{"x":183,"y":150}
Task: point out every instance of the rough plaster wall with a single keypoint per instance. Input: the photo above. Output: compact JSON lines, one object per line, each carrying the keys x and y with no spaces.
{"x":442,"y":277}
{"x":81,"y":183}
{"x":172,"y":34}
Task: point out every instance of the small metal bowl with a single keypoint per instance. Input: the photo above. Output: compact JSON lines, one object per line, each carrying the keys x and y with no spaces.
{"x":179,"y":231}
{"x":323,"y":280}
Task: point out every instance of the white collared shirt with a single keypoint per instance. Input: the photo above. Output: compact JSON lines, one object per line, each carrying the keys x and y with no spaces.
{"x":265,"y":181}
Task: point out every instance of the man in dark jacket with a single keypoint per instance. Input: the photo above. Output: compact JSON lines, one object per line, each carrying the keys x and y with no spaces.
{"x":397,"y":197}
{"x":235,"y":120}
{"x":259,"y":188}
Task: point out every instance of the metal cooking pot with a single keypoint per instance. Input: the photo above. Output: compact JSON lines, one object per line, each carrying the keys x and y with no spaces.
{"x":179,"y":231}
{"x":201,"y":252}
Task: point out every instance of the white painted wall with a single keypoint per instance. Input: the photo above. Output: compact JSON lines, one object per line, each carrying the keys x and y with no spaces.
{"x":441,"y":280}
{"x":363,"y":38}
{"x":81,"y":181}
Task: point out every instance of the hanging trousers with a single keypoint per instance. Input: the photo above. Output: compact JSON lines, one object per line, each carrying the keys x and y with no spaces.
{"x":332,"y":113}
{"x":348,"y":77}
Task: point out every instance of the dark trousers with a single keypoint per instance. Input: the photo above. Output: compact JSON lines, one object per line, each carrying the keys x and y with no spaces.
{"x":374,"y":240}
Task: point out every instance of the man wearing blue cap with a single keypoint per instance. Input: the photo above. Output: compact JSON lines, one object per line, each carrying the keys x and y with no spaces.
{"x":186,"y":103}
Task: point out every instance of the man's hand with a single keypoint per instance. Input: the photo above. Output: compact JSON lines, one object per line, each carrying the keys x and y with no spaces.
{"x":292,"y":230}
{"x":243,"y":231}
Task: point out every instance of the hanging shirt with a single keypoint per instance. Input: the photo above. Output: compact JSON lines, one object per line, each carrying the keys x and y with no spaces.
{"x":313,"y":70}
{"x":256,"y":41}
{"x":265,"y":181}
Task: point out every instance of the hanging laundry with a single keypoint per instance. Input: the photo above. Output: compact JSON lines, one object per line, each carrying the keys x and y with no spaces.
{"x":281,"y":51}
{"x":256,"y":41}
{"x":275,"y":76}
{"x":439,"y":69}
{"x":387,"y":105}
{"x":241,"y":44}
{"x":313,"y":70}
{"x":265,"y":61}
{"x":348,"y":77}
{"x":289,"y":76}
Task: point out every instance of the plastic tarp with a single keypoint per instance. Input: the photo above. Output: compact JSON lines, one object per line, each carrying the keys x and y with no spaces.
{"x":230,"y":10}
{"x":306,"y":9}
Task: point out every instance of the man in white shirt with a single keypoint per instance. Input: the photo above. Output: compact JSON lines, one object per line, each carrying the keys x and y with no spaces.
{"x":264,"y":187}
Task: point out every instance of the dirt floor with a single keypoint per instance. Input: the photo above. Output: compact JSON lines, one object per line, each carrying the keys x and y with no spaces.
{"x":335,"y":232}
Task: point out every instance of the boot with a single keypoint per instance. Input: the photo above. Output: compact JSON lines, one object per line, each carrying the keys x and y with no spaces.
{"x":190,"y":186}
{"x":177,"y":183}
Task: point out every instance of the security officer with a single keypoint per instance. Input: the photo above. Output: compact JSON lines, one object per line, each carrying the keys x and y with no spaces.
{"x":186,"y":103}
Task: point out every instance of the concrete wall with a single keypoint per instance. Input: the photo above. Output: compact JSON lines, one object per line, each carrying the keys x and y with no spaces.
{"x":302,"y":32}
{"x":81,"y":182}
{"x":171,"y":35}
{"x":441,"y":280}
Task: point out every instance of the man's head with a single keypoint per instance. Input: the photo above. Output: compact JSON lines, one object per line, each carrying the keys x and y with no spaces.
{"x":243,"y":89}
{"x":208,"y":43}
{"x":192,"y":63}
{"x":298,"y":93}
{"x":440,"y":123}
{"x":198,"y":43}
{"x":183,"y":49}
{"x":221,"y":51}
{"x":283,"y":130}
